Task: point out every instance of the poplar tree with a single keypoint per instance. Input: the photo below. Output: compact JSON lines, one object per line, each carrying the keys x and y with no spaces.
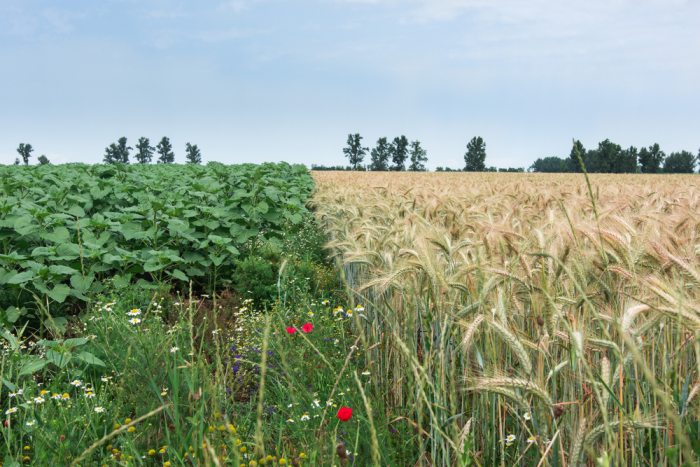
{"x":354,"y":151}
{"x":418,"y":157}
{"x":145,"y":151}
{"x":399,"y":153}
{"x":380,"y":156}
{"x":475,"y":157}
{"x":194,"y":156}
{"x":25,"y":150}
{"x":165,"y":149}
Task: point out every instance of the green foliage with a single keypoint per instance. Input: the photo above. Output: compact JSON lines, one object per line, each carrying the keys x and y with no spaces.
{"x":25,"y":150}
{"x":380,"y":156}
{"x":611,"y":158}
{"x":399,"y":153}
{"x":165,"y":150}
{"x":574,"y":164}
{"x":65,"y":229}
{"x":651,"y":159}
{"x":475,"y":157}
{"x":256,"y":278}
{"x":550,"y":165}
{"x":117,"y":153}
{"x":683,"y":162}
{"x":194,"y":155}
{"x":43,"y":160}
{"x":355,"y":152}
{"x":419,"y":157}
{"x":145,"y":151}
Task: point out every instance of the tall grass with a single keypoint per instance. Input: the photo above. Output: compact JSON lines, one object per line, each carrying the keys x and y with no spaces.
{"x":514,"y":311}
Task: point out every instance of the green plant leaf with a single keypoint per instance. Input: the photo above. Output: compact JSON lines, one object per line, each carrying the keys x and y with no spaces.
{"x":75,"y":342}
{"x":87,"y":357}
{"x":59,"y":293}
{"x":179,"y":275}
{"x":22,"y":277}
{"x":33,"y":367}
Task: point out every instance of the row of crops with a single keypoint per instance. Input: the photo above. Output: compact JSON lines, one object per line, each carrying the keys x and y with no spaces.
{"x":65,"y":230}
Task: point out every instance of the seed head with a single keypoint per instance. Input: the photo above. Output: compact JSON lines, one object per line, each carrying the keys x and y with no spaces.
{"x":340,"y":450}
{"x":540,"y":321}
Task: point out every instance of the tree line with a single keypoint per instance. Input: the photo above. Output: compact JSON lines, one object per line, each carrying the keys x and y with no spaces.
{"x":392,"y":156}
{"x":609,"y":157}
{"x":119,"y":152}
{"x":386,"y":156}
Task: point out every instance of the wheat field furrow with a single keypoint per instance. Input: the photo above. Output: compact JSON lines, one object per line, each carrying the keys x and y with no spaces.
{"x":514,"y":309}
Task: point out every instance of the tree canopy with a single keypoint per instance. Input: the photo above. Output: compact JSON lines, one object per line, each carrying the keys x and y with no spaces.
{"x":165,"y":150}
{"x":475,"y":157}
{"x":418,"y":157}
{"x":145,"y":151}
{"x":380,"y":156}
{"x":399,"y":153}
{"x":354,"y":151}
{"x":194,"y":155}
{"x":25,"y":150}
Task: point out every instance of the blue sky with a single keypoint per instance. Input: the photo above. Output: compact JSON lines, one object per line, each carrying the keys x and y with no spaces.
{"x":271,"y":80}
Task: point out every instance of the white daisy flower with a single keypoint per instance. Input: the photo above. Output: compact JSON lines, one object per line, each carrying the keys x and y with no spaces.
{"x":99,"y":409}
{"x":174,"y":349}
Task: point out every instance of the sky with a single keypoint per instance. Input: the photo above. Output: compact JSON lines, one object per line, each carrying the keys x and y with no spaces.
{"x":288,"y":80}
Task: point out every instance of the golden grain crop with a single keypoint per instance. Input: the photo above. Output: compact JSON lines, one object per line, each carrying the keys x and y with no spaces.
{"x":492,"y":295}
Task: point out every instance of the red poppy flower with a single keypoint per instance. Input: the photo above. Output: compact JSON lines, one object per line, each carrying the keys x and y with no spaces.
{"x":308,"y":327}
{"x":345,"y":413}
{"x":291,"y":330}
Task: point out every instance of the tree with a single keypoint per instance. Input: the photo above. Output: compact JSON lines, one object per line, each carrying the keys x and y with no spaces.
{"x":123,"y":151}
{"x":165,"y":149}
{"x":627,"y":162}
{"x":355,"y":152}
{"x":117,"y":152}
{"x":17,"y":162}
{"x":574,"y":164}
{"x":194,"y":156}
{"x":399,"y":153}
{"x":418,"y":157}
{"x":25,"y":150}
{"x":475,"y":157}
{"x":111,"y":152}
{"x":680,"y":163}
{"x":145,"y":151}
{"x":380,"y":156}
{"x":43,"y":160}
{"x":551,"y":164}
{"x":608,"y":157}
{"x":651,"y":159}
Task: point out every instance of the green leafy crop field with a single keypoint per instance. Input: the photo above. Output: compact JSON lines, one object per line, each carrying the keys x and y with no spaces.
{"x":65,"y":229}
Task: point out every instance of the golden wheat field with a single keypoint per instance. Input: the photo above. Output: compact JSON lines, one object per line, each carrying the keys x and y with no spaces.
{"x":528,"y":319}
